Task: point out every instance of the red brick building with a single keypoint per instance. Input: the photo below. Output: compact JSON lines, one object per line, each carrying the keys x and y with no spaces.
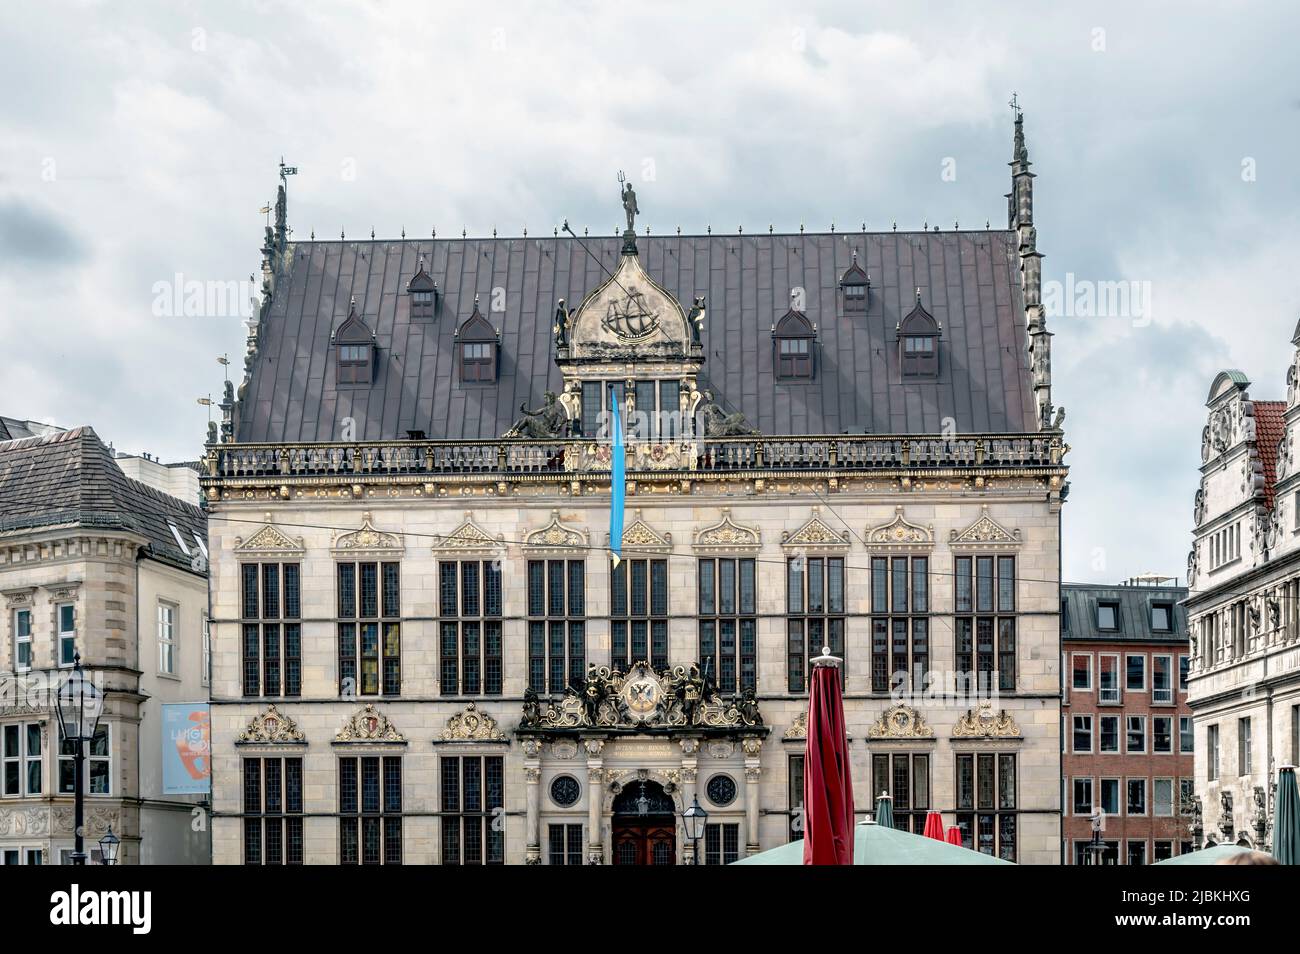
{"x":1126,"y":727}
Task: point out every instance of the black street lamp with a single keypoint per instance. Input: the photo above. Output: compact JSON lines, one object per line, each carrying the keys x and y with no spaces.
{"x":108,"y":846}
{"x":693,"y":820}
{"x":80,"y":703}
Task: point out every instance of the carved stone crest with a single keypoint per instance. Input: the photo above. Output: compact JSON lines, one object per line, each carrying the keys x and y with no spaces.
{"x":900,"y":533}
{"x":728,"y":535}
{"x":986,"y":534}
{"x":640,"y":537}
{"x":268,"y":541}
{"x":271,"y":727}
{"x":982,"y":723}
{"x":469,"y":537}
{"x":900,"y":722}
{"x":556,"y":536}
{"x":798,"y":728}
{"x":368,"y":540}
{"x":472,"y":726}
{"x":368,"y":724}
{"x":815,"y":535}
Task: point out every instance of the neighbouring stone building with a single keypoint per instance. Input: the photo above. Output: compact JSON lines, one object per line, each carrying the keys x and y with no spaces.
{"x":1244,"y":608}
{"x":97,"y":563}
{"x":423,"y":652}
{"x":1127,"y":726}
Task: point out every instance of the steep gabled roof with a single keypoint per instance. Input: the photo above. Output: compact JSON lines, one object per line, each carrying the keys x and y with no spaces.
{"x":1270,"y":427}
{"x":970,"y":281}
{"x":71,"y":479}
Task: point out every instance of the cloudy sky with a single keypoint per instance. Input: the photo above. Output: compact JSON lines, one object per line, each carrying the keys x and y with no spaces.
{"x":138,"y":142}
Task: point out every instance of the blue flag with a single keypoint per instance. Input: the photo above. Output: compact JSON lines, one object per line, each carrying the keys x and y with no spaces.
{"x":617,"y":483}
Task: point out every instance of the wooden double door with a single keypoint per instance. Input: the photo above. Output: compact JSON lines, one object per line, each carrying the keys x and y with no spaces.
{"x":645,"y":841}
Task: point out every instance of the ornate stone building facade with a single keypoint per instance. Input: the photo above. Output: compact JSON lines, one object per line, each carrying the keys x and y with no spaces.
{"x":424,"y":651}
{"x":1244,"y":608}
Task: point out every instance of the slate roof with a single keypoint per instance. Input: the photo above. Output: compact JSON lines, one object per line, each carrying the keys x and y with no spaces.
{"x":1270,"y":428}
{"x":1079,"y":612}
{"x":71,"y":479}
{"x":969,"y":282}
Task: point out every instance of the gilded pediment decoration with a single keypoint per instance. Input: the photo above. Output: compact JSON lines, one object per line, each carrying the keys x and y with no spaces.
{"x":556,"y":536}
{"x":271,"y":727}
{"x":640,"y":699}
{"x":468,"y":538}
{"x":640,"y":537}
{"x":982,"y":722}
{"x":368,"y":541}
{"x":368,"y":724}
{"x":798,"y":730}
{"x":900,"y":721}
{"x":472,"y":726}
{"x":727,"y":535}
{"x":269,"y":541}
{"x":816,"y":535}
{"x":900,"y":533}
{"x":985,"y":534}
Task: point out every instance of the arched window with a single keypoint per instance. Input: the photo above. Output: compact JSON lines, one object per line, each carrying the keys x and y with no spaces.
{"x":918,"y":343}
{"x":355,"y":350}
{"x":424,"y":293}
{"x":476,"y":343}
{"x":856,"y":287}
{"x":793,"y":338}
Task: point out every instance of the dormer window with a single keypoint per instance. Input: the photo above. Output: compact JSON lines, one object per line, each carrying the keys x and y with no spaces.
{"x":792,"y":339}
{"x":355,"y":344}
{"x":424,"y":293}
{"x":918,"y":343}
{"x":477,"y":343}
{"x":856,"y":288}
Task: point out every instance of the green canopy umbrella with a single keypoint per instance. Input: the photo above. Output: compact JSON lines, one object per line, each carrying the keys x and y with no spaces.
{"x":1206,"y":856}
{"x":1286,"y":818}
{"x":875,"y":844}
{"x":885,"y":810}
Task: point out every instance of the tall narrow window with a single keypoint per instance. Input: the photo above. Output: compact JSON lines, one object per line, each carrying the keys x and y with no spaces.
{"x":856,"y":287}
{"x":370,"y":810}
{"x":167,"y":638}
{"x":469,"y":651}
{"x":792,"y":340}
{"x":21,"y":744}
{"x":22,"y":640}
{"x":986,"y":802}
{"x":472,"y":799}
{"x":985,"y":622}
{"x":564,"y":844}
{"x":721,"y":843}
{"x":918,"y":343}
{"x":478,"y":343}
{"x":728,"y":622}
{"x":1244,"y":765}
{"x":273,"y":815}
{"x":900,"y":623}
{"x":639,"y":614}
{"x":1212,"y":752}
{"x":355,"y":346}
{"x":67,"y":617}
{"x":424,"y":293}
{"x":906,"y":777}
{"x":369,"y":629}
{"x":814,"y":594}
{"x":557,"y":626}
{"x":1162,"y":680}
{"x":272,"y":631}
{"x":794,"y":797}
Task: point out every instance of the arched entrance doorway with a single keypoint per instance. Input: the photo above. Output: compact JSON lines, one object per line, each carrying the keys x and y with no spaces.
{"x":644,"y":825}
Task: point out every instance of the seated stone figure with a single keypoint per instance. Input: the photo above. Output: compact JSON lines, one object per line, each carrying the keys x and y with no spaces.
{"x":546,"y":423}
{"x":718,"y":423}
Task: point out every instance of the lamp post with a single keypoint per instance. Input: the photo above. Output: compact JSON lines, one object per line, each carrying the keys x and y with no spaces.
{"x":108,"y":846}
{"x":78,"y":707}
{"x":694,"y":820}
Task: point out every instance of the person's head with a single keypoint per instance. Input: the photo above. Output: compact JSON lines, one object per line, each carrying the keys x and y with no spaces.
{"x":1248,"y":858}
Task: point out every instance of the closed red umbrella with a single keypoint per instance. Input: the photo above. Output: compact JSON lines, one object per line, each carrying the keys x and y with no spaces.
{"x":954,"y":835}
{"x":934,"y":826}
{"x":828,"y":785}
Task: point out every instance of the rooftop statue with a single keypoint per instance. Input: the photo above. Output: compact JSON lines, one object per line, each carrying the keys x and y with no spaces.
{"x":548,"y":422}
{"x":718,"y":423}
{"x":629,"y":202}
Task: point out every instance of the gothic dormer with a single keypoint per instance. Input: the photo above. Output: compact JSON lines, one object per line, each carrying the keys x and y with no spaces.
{"x":354,"y":349}
{"x":855,"y":287}
{"x":793,"y":339}
{"x":918,"y":343}
{"x":424,"y":293}
{"x":477,"y":347}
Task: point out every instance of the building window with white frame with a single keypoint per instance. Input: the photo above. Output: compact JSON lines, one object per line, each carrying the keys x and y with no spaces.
{"x":1186,"y":736}
{"x":1108,"y":733}
{"x":1110,"y":796}
{"x":1162,"y":797}
{"x":1082,"y":734}
{"x":1162,"y":735}
{"x":1243,"y":746}
{"x":1137,"y":852}
{"x":167,"y":638}
{"x":1135,"y":673}
{"x":206,"y":675}
{"x":98,"y":764}
{"x":1082,"y":668}
{"x":1162,"y":680}
{"x":21,"y":749}
{"x":22,"y":639}
{"x":66,"y":616}
{"x":1135,"y":742}
{"x":1108,"y":679}
{"x":1137,"y":797}
{"x":1212,"y":752}
{"x":1083,"y":803}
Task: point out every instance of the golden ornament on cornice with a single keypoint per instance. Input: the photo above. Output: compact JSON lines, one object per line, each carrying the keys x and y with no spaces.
{"x":369,"y":725}
{"x":271,"y":727}
{"x":268,"y":541}
{"x":798,"y":728}
{"x":472,"y":726}
{"x":815,"y":535}
{"x":981,"y":723}
{"x":642,"y":538}
{"x":556,"y":536}
{"x":901,"y":533}
{"x":368,"y":539}
{"x":728,"y":535}
{"x":900,"y":721}
{"x":469,"y":536}
{"x":985,"y":533}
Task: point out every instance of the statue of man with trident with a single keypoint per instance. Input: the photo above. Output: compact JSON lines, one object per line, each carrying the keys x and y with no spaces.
{"x":629,"y":201}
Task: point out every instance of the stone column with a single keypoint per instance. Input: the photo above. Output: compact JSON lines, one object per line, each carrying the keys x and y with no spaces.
{"x":753,"y":773}
{"x":595,"y":800}
{"x":532,"y":779}
{"x":689,"y":775}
